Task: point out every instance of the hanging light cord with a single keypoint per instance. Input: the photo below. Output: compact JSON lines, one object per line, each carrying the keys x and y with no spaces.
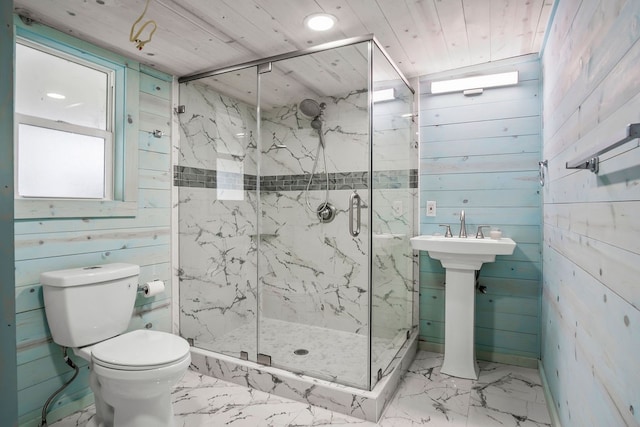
{"x":135,"y":38}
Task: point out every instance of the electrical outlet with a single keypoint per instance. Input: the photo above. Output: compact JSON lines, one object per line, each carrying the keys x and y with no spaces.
{"x":431,"y":208}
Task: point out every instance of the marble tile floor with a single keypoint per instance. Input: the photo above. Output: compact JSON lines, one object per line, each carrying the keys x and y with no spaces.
{"x":503,"y":396}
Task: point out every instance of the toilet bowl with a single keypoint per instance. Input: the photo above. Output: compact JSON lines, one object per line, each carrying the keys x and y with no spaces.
{"x":132,"y":376}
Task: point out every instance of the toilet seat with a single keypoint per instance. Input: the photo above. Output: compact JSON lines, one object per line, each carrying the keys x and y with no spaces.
{"x":140,"y":350}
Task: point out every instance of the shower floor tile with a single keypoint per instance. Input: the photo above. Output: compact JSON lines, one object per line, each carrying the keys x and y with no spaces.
{"x":330,"y":354}
{"x":502,"y":396}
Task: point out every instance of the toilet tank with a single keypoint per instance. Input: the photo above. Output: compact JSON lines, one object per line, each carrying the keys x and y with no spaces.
{"x":90,"y":304}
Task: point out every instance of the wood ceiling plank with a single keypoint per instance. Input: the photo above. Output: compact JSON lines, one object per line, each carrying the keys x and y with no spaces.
{"x":334,"y":72}
{"x":541,"y":27}
{"x":349,"y":23}
{"x":406,"y":30}
{"x":372,"y":18}
{"x":513,"y":26}
{"x":176,"y":46}
{"x":288,"y":19}
{"x":421,"y":36}
{"x":477,"y":17}
{"x":454,"y":30}
{"x":428,"y":23}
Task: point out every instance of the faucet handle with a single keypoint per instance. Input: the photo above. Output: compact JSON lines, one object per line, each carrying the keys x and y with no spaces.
{"x":447,"y":233}
{"x":479,"y":234}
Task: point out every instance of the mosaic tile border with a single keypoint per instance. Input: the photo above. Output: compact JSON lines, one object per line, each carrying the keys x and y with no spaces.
{"x":185,"y":176}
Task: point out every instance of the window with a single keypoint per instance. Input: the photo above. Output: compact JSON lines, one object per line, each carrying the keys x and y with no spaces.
{"x":64,"y":134}
{"x":76,"y":128}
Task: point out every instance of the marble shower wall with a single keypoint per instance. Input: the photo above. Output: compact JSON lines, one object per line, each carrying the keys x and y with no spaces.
{"x":217,"y":215}
{"x":310,"y":272}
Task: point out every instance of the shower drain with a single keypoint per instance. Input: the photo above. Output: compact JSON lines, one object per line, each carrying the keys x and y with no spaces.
{"x":301,"y":352}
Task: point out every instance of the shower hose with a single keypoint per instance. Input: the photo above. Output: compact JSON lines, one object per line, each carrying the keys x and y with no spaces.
{"x":321,"y":145}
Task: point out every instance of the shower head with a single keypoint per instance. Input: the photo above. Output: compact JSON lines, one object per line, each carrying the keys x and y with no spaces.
{"x":311,"y":108}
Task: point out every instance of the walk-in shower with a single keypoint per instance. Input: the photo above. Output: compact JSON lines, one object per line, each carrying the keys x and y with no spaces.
{"x":263,"y":275}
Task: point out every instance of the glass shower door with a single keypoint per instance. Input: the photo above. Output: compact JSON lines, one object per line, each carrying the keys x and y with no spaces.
{"x":313,"y":285}
{"x":216,"y":178}
{"x":392,"y":194}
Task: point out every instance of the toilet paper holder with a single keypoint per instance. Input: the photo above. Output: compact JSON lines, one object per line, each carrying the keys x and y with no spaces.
{"x":152,"y":288}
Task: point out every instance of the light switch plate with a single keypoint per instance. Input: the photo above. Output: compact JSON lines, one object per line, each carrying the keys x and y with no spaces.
{"x":431,"y":208}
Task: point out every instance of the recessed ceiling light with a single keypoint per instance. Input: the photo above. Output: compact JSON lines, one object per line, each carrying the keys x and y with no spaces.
{"x":320,"y":21}
{"x":55,"y":95}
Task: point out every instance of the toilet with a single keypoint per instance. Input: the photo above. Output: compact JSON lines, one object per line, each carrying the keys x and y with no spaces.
{"x":131,"y":374}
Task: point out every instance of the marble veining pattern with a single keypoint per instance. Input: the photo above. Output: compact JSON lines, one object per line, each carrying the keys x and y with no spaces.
{"x":332,"y":354}
{"x":310,"y":273}
{"x":504,"y":396}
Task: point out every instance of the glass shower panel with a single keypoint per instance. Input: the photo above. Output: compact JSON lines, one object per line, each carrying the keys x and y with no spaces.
{"x":313,"y":282}
{"x":216,"y":178}
{"x":392,"y":195}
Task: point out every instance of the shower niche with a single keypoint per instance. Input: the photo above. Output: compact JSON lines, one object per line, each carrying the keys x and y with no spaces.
{"x":297,"y":188}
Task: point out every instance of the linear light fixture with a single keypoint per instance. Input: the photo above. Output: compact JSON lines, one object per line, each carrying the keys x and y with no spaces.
{"x":383,"y":95}
{"x":475,"y":82}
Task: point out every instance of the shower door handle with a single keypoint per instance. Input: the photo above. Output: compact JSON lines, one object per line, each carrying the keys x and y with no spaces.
{"x":354,"y":200}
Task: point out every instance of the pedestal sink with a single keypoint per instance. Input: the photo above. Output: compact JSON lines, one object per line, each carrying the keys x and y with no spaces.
{"x":461,"y":257}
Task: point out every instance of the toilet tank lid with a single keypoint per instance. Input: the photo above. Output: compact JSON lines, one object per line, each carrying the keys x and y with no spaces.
{"x":86,"y":275}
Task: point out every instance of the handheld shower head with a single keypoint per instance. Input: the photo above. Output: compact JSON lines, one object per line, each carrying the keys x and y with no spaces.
{"x":316,"y":123}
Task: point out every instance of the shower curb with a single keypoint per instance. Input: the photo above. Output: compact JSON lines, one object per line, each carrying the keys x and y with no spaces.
{"x":362,"y":404}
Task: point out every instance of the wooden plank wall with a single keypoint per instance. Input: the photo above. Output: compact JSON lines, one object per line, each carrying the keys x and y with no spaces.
{"x":42,"y":245}
{"x":591,"y":289}
{"x":481,"y":154}
{"x":8,"y":379}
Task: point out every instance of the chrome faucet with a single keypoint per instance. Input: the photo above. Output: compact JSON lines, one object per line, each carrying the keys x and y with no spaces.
{"x":463,"y":225}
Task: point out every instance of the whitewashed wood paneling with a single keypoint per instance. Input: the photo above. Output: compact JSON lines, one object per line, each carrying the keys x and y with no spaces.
{"x":52,"y":244}
{"x":591,"y":298}
{"x":480,"y":154}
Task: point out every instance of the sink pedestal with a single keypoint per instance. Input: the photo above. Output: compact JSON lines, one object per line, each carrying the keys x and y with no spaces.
{"x":460,"y":302}
{"x":461,"y":257}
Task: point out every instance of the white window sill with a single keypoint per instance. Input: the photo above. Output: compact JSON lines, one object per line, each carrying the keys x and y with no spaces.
{"x":65,"y":208}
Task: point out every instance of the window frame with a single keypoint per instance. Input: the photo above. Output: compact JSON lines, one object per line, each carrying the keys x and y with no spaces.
{"x":122,"y":196}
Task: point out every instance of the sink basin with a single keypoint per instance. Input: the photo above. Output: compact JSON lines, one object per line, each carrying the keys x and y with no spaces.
{"x":461,"y":257}
{"x":463,"y":253}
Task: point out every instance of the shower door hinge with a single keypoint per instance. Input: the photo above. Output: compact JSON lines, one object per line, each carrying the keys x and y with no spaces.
{"x":264,"y":359}
{"x":244,"y":355}
{"x":408,"y":334}
{"x":379,"y":374}
{"x":180,"y":109}
{"x":264,"y":68}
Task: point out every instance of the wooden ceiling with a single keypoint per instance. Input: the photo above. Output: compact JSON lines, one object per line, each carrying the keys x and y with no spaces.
{"x":422,"y":36}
